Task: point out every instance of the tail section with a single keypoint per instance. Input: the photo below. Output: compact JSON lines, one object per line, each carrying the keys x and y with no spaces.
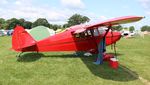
{"x":21,"y":39}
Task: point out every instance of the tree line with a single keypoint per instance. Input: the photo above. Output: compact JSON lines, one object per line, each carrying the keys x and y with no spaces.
{"x":131,"y":28}
{"x":119,"y":28}
{"x":73,"y":20}
{"x":11,"y":23}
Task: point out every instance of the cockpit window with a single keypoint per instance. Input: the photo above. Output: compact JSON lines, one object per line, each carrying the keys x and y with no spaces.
{"x":89,"y":33}
{"x":80,"y":35}
{"x":102,"y":30}
{"x":77,"y":35}
{"x":96,"y":33}
{"x":83,"y":34}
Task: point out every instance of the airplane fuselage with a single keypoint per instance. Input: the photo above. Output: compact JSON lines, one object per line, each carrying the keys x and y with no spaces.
{"x":67,"y":41}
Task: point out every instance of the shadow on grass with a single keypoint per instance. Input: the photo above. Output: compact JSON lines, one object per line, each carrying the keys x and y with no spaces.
{"x":61,"y":56}
{"x":106,"y":72}
{"x":29,"y":57}
{"x":72,"y":55}
{"x":118,"y":54}
{"x":103,"y":71}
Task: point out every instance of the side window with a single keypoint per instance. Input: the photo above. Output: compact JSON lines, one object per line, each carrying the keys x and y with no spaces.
{"x":89,"y":33}
{"x":77,"y":35}
{"x":83,"y":34}
{"x":86,"y":34}
{"x":101,"y":30}
{"x":96,"y":33}
{"x":80,"y":35}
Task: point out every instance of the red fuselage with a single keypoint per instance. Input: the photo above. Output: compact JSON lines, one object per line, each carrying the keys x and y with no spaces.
{"x":66,"y":41}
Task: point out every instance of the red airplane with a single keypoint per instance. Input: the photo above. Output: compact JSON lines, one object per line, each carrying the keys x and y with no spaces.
{"x":74,"y":38}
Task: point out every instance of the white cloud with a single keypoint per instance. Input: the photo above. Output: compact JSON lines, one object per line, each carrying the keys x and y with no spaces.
{"x":148,"y":12}
{"x":23,"y":3}
{"x":103,"y":17}
{"x":3,"y":2}
{"x":73,"y":4}
{"x":146,"y":5}
{"x":32,"y":14}
{"x":27,"y":10}
{"x":18,"y":2}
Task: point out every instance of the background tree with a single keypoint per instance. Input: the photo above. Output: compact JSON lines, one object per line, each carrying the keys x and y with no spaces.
{"x":131,"y":28}
{"x":40,"y":21}
{"x":2,"y":22}
{"x":21,"y":21}
{"x":27,"y":24}
{"x":65,"y":25}
{"x":76,"y":19}
{"x":145,"y":28}
{"x":117,"y":28}
{"x":4,"y":26}
{"x":55,"y":27}
{"x":12,"y":23}
{"x":125,"y":28}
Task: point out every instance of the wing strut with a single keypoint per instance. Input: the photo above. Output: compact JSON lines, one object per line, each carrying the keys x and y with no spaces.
{"x":109,"y":27}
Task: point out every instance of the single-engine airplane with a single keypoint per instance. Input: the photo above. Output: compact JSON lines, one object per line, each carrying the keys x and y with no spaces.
{"x":74,"y":38}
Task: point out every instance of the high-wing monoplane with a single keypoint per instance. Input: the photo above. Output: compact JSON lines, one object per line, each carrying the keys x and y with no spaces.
{"x":75,"y":38}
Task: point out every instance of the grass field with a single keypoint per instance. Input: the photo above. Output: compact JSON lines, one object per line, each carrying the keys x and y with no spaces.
{"x":62,"y":68}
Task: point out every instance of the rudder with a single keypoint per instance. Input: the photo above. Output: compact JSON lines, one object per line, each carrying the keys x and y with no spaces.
{"x":21,"y":39}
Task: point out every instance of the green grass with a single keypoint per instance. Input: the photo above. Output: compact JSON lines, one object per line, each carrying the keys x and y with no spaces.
{"x":64,"y":68}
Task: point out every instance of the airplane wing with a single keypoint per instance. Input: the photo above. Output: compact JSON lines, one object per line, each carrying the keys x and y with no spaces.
{"x":116,"y":21}
{"x":79,"y":30}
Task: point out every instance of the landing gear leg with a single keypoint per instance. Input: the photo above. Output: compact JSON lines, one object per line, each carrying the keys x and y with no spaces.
{"x":19,"y":54}
{"x":38,"y":53}
{"x":101,"y":49}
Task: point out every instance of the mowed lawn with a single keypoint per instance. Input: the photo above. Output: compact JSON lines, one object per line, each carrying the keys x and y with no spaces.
{"x":64,"y":68}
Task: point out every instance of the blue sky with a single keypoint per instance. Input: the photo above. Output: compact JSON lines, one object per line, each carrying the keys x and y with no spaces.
{"x":58,"y":11}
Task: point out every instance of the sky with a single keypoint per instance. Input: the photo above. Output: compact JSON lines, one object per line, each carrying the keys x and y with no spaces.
{"x":58,"y":11}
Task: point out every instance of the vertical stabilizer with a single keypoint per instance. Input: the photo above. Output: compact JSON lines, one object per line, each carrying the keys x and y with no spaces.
{"x":21,"y":39}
